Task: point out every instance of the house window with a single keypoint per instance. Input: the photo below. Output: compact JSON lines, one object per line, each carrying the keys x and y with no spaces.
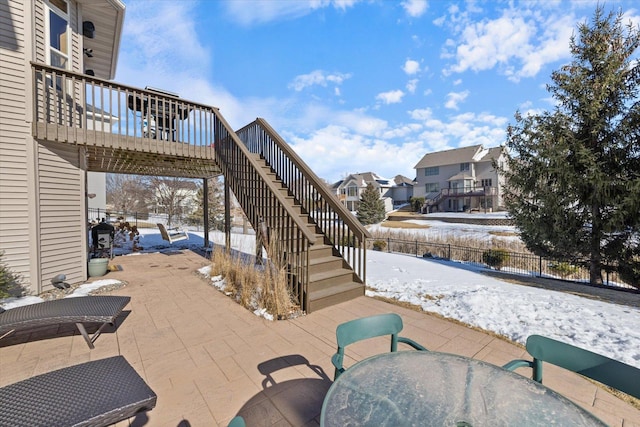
{"x":464,"y":167}
{"x":352,"y":191}
{"x":486,"y":182}
{"x":58,"y":34}
{"x":434,"y":170}
{"x":432,"y":187}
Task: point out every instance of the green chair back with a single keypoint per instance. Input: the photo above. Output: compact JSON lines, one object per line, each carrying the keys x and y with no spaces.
{"x":365,"y":328}
{"x":237,"y":422}
{"x":607,"y":371}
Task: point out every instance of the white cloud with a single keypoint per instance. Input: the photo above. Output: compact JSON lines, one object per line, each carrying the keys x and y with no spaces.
{"x":251,"y":12}
{"x":317,"y":77}
{"x":391,"y":97}
{"x":455,"y":98}
{"x":415,"y":8}
{"x":421,"y":114}
{"x":411,"y":67}
{"x":485,"y":44}
{"x":554,"y":45}
{"x":159,"y":36}
{"x":460,"y":130}
{"x":412,"y":85}
{"x":335,"y":150}
{"x":519,"y":43}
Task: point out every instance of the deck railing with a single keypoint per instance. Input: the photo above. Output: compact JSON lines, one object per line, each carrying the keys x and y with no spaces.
{"x":339,"y":225}
{"x":267,"y":209}
{"x":81,"y":109}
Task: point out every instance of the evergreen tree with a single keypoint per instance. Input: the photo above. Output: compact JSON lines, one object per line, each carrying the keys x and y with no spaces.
{"x":573,"y":174}
{"x":371,"y":206}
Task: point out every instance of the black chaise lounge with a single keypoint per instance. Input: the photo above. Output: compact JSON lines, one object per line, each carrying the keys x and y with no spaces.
{"x":78,"y":310}
{"x":97,"y":393}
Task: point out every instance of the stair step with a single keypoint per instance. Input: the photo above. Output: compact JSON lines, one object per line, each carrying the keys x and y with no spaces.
{"x":328,"y":278}
{"x":320,"y":250}
{"x":334,"y":295}
{"x":327,"y":263}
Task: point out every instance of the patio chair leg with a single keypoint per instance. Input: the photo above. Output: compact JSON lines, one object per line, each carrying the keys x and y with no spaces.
{"x":85,"y":335}
{"x":7,"y":333}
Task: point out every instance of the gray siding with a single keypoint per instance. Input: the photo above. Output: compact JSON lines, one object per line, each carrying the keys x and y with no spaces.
{"x":42,"y":206}
{"x":15,"y":171}
{"x":63,"y":231}
{"x":39,"y":33}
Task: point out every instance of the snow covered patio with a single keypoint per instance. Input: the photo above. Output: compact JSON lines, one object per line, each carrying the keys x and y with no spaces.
{"x":208,"y":359}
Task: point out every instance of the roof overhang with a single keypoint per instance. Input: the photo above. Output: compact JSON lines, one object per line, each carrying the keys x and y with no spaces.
{"x":108,"y":18}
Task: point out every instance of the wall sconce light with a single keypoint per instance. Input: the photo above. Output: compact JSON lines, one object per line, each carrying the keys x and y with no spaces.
{"x":88,"y":52}
{"x":88,"y":29}
{"x":89,"y":72}
{"x":91,"y":195}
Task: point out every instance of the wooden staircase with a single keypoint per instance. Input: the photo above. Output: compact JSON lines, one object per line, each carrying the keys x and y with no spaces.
{"x":323,"y":244}
{"x":279,"y":190}
{"x":331,"y":279}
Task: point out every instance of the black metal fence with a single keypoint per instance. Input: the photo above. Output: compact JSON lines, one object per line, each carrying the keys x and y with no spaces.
{"x":500,"y":260}
{"x":140,"y":220}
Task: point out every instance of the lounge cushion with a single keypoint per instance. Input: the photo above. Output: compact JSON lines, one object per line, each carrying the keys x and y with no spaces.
{"x":97,"y":393}
{"x":79,"y":310}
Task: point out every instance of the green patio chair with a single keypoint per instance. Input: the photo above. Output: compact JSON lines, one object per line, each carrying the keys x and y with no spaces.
{"x":365,"y":328}
{"x":237,"y":422}
{"x":607,"y":371}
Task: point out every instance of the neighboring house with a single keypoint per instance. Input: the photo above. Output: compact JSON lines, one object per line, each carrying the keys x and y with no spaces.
{"x":43,"y":183}
{"x":402,"y":190}
{"x":392,"y":192}
{"x":459,"y":180}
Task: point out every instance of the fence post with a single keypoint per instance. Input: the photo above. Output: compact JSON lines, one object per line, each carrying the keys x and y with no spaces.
{"x":416,"y":248}
{"x":449,"y":251}
{"x":388,"y":244}
{"x":540,"y":268}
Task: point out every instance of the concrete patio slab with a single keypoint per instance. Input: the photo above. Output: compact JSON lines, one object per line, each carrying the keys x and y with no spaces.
{"x":208,"y":359}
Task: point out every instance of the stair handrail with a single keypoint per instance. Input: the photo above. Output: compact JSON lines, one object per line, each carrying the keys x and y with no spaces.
{"x":311,"y":238}
{"x":353,"y":224}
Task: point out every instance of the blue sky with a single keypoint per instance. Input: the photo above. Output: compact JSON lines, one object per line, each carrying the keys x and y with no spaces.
{"x":358,"y":85}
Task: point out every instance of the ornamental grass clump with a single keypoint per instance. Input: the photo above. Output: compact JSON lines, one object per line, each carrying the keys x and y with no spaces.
{"x":256,"y":287}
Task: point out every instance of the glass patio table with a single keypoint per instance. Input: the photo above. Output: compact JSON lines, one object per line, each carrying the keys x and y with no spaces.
{"x":420,"y":388}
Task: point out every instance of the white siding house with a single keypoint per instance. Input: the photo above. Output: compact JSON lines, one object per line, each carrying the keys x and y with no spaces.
{"x":392,"y":191}
{"x":43,"y":183}
{"x":459,"y":180}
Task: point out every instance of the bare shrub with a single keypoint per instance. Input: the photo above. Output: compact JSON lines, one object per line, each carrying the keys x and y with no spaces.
{"x":255,"y":287}
{"x":563,"y":269}
{"x":495,"y":258}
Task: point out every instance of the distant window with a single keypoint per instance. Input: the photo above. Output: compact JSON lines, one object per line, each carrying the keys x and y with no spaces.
{"x":58,"y":43}
{"x":434,"y":170}
{"x":464,"y":167}
{"x":486,"y":182}
{"x":433,"y":187}
{"x":352,"y":191}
